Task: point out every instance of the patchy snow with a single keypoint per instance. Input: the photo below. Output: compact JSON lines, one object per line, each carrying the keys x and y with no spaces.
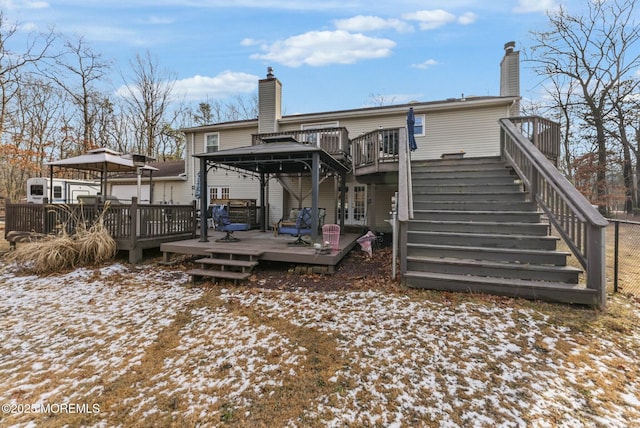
{"x":406,"y":360}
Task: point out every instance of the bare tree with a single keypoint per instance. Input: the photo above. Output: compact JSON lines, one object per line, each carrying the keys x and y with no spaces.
{"x":15,"y":70}
{"x":148,"y":99}
{"x":595,"y":53}
{"x":77,"y":71}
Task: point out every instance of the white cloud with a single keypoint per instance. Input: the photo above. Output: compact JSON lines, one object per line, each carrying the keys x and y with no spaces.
{"x":197,"y":88}
{"x":530,"y":6}
{"x":426,"y":64}
{"x":158,"y":20}
{"x":250,"y":42}
{"x":223,"y":85}
{"x":19,"y":4}
{"x":363,"y":23}
{"x":318,"y":48}
{"x":431,"y":19}
{"x":467,"y":18}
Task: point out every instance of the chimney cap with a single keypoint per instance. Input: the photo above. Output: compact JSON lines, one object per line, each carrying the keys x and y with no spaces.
{"x":270,"y":74}
{"x":509,"y":46}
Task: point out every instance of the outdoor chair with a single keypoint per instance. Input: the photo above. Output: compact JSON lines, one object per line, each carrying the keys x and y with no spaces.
{"x":222,"y":223}
{"x":302,"y":225}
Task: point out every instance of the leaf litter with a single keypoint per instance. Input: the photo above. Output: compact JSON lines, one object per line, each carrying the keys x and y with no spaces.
{"x":151,"y":349}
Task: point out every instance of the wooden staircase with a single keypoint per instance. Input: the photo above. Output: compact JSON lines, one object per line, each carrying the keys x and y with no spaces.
{"x":231,"y":264}
{"x":474,"y":229}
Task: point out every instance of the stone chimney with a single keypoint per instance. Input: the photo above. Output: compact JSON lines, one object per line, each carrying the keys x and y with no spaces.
{"x":510,"y":75}
{"x":269,"y":103}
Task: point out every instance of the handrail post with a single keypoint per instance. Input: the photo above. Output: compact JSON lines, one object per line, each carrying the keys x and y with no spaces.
{"x":596,"y":279}
{"x":134,"y":223}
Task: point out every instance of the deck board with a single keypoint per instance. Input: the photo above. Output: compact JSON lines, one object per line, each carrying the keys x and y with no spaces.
{"x":273,"y":248}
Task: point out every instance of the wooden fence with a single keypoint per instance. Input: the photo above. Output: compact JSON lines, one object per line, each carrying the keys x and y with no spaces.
{"x":134,"y":226}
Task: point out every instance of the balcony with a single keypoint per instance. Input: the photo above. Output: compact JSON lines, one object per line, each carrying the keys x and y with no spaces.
{"x":334,"y":141}
{"x":376,"y":151}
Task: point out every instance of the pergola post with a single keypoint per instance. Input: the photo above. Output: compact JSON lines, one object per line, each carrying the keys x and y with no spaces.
{"x":263,"y":201}
{"x":203,"y":201}
{"x":315,"y":191}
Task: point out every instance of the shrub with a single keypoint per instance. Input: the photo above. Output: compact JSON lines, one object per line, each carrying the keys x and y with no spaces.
{"x":88,"y":244}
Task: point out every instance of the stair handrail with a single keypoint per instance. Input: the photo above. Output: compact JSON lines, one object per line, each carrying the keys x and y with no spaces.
{"x":579,"y":224}
{"x":405,"y":185}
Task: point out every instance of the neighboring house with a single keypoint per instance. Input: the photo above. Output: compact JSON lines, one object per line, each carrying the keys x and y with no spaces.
{"x":169,"y":185}
{"x":467,"y":125}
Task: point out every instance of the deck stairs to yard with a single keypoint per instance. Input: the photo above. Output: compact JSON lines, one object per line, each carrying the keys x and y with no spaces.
{"x":233,"y":264}
{"x":474,"y":229}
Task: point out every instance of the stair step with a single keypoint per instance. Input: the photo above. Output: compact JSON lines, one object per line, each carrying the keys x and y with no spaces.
{"x":427,"y":187}
{"x":226,"y":262}
{"x":460,"y":173}
{"x":492,"y":240}
{"x":223,"y":274}
{"x":534,"y":229}
{"x":481,"y":196}
{"x":419,"y":179}
{"x":477,"y":215}
{"x":507,"y":255}
{"x":487,"y":161}
{"x":554,"y":291}
{"x":487,"y":268}
{"x":252,"y":254}
{"x":474,"y":205}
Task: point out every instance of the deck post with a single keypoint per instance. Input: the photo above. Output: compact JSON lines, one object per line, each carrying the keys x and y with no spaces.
{"x":134,"y":226}
{"x":596,"y":269}
{"x":204,"y":231}
{"x":315,"y":191}
{"x":263,"y":214}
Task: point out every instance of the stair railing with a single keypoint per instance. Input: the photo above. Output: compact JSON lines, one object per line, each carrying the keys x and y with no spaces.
{"x":580,"y":225}
{"x":404,"y":201}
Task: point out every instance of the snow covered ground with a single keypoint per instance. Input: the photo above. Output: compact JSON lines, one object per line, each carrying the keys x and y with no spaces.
{"x":138,"y":345}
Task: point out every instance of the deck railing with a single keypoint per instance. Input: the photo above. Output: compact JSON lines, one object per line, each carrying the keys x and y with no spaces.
{"x":543,"y":133}
{"x":334,"y":141}
{"x":577,"y":221}
{"x":133,"y":226}
{"x":375,"y":148}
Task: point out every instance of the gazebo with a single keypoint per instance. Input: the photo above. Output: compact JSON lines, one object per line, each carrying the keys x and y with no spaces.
{"x":277,"y":155}
{"x":103,"y":161}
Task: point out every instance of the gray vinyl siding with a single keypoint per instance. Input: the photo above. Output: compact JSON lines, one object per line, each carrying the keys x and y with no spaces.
{"x":475,"y":131}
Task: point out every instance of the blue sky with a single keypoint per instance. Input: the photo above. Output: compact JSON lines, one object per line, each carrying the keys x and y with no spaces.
{"x":329,"y":55}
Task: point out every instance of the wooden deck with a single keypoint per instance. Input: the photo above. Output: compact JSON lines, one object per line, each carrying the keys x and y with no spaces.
{"x":273,"y":248}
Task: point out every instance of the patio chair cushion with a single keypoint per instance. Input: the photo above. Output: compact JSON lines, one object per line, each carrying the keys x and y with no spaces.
{"x":302,"y":224}
{"x":291,"y":220}
{"x":222,"y":222}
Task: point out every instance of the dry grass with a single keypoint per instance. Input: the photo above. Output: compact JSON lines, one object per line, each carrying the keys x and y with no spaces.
{"x":628,"y":258}
{"x":152,"y":351}
{"x":55,"y":253}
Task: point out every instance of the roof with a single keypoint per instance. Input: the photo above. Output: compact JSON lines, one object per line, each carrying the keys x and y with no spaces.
{"x":99,"y":160}
{"x":286,"y":157}
{"x":400,"y":109}
{"x":167,"y":169}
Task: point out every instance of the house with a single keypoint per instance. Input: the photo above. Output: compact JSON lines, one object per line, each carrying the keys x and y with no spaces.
{"x":167,"y":184}
{"x":468,"y":125}
{"x":480,"y":223}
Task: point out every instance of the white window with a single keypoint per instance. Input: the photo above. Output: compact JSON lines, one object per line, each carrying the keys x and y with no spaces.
{"x":211,"y":142}
{"x":355,"y":204}
{"x":419,"y":127}
{"x":217,"y":193}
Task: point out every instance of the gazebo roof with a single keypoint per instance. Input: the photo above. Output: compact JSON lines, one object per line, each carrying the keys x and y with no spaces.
{"x":100,"y":160}
{"x":286,"y":156}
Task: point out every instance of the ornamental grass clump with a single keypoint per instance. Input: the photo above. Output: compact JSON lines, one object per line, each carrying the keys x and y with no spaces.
{"x":88,"y":244}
